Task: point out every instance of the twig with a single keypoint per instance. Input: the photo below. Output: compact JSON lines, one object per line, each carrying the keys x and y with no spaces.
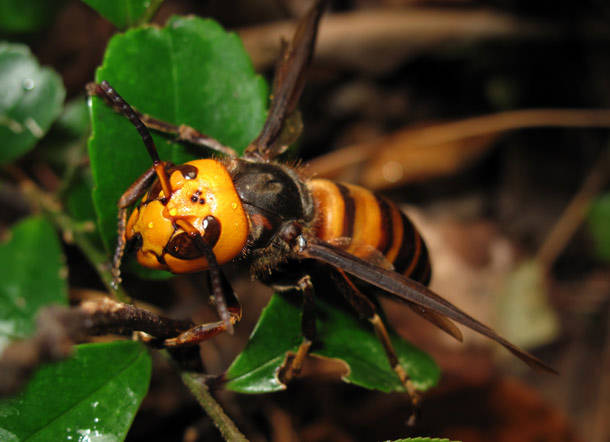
{"x":72,"y":232}
{"x":378,"y":40}
{"x":440,"y":149}
{"x":152,"y":8}
{"x":58,"y":328}
{"x":201,"y":391}
{"x":94,"y":317}
{"x":77,"y":159}
{"x":574,"y":213}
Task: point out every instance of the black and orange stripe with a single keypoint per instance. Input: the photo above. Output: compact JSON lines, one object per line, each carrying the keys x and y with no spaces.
{"x":357,"y":219}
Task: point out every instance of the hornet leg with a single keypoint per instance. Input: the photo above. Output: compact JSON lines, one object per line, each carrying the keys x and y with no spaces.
{"x":131,"y":195}
{"x":294,"y":363}
{"x":202,"y":332}
{"x":367,"y":309}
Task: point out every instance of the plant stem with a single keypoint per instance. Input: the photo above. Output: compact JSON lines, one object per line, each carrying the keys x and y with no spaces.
{"x":213,"y":409}
{"x":150,"y":12}
{"x":574,"y":214}
{"x":72,"y":232}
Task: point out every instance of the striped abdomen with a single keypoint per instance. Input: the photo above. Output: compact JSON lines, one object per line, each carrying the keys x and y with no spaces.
{"x":345,"y":211}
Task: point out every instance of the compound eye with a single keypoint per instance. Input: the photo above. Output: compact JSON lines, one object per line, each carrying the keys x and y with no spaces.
{"x":182,"y":246}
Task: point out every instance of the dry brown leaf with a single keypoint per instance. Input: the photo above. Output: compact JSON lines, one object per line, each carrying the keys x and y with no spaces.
{"x":442,"y":149}
{"x":376,"y":41}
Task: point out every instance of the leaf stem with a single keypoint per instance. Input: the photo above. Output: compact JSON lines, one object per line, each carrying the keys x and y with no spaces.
{"x":150,"y":12}
{"x":201,"y":391}
{"x":72,"y":232}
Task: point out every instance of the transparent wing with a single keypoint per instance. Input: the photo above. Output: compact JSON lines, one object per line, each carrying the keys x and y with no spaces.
{"x":374,"y":257}
{"x":401,"y":288}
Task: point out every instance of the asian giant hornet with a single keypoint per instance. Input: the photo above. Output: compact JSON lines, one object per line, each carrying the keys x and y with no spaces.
{"x":204,"y":213}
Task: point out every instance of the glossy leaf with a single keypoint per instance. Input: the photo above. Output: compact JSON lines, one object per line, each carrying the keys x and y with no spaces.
{"x":94,"y":395}
{"x":599,"y":226}
{"x":33,"y":275}
{"x":30,"y":101}
{"x":125,"y":13}
{"x":17,"y":16}
{"x":190,"y":72}
{"x":78,"y":199}
{"x":340,"y":336}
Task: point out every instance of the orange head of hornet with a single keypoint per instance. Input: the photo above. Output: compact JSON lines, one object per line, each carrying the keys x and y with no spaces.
{"x":203,"y":195}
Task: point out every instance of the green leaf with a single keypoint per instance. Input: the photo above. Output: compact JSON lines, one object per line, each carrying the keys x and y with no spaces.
{"x":80,"y":205}
{"x":125,"y":13}
{"x":30,"y":101}
{"x":525,"y":316}
{"x":340,"y":335}
{"x":65,"y":150}
{"x":74,"y":120}
{"x":18,"y":16}
{"x":33,"y":275}
{"x":190,"y":72}
{"x":94,"y":395}
{"x":78,"y":200}
{"x":599,"y":226}
{"x":64,"y":146}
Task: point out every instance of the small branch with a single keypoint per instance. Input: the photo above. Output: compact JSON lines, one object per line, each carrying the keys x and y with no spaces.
{"x":201,"y":391}
{"x":574,"y":214}
{"x":152,"y":8}
{"x":417,"y":153}
{"x":58,"y":328}
{"x":76,"y":160}
{"x":378,"y":40}
{"x":72,"y":232}
{"x":105,"y":315}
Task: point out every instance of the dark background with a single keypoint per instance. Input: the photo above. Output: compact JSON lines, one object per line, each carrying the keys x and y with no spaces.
{"x":484,"y":219}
